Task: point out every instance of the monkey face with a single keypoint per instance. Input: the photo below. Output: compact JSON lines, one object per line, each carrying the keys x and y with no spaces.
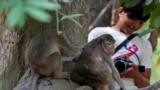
{"x":108,"y":42}
{"x":109,"y":46}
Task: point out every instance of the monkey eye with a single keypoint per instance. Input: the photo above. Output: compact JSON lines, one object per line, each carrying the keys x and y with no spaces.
{"x":109,"y":43}
{"x":112,"y":42}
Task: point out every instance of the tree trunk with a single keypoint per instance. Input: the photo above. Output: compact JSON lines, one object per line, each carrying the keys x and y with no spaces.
{"x":9,"y":63}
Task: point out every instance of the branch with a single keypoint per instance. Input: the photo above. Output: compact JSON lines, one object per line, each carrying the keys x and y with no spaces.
{"x":99,"y":17}
{"x":75,"y":21}
{"x":114,"y":16}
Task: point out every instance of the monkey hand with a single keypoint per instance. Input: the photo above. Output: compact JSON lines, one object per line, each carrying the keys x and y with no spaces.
{"x":131,"y":72}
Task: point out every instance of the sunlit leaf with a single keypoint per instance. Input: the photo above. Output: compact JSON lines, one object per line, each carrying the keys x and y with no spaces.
{"x":158,"y":62}
{"x":145,"y":32}
{"x":16,"y":17}
{"x":43,"y":4}
{"x":155,"y":74}
{"x":38,"y":14}
{"x":148,"y":2}
{"x":70,"y":16}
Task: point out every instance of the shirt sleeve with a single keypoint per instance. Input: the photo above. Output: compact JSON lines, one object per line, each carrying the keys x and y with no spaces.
{"x":146,"y":58}
{"x":92,"y":35}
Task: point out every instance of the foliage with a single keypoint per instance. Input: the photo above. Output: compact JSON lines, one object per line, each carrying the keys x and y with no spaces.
{"x":151,"y":6}
{"x":19,"y":9}
{"x":36,"y":9}
{"x":156,"y":64}
{"x":71,"y":16}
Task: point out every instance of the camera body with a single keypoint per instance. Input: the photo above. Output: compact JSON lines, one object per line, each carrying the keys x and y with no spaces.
{"x":122,"y":64}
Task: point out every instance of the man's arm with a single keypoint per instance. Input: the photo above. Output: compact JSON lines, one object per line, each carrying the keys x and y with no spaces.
{"x":141,"y":78}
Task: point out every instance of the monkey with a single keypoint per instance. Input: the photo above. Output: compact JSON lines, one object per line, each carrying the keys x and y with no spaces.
{"x":94,"y":66}
{"x":154,"y":86}
{"x":44,"y":53}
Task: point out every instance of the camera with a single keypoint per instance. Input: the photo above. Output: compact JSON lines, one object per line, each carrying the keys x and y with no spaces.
{"x":122,"y":64}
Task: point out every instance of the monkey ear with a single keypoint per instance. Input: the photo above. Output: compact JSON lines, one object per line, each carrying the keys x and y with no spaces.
{"x":100,"y":40}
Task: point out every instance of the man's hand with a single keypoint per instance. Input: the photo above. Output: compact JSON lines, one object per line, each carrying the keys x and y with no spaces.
{"x":141,"y":79}
{"x":131,"y":72}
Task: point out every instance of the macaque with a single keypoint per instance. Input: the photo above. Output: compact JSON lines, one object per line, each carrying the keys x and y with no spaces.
{"x":44,"y":54}
{"x":94,"y":66}
{"x":44,"y":57}
{"x":154,"y":86}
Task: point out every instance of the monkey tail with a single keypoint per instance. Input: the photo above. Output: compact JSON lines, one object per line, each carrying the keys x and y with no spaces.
{"x":115,"y":71}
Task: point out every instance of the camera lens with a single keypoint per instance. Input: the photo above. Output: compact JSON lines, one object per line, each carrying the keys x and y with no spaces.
{"x":121,"y":65}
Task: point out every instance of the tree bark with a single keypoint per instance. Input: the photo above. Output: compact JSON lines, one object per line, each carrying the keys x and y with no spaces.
{"x":9,"y":64}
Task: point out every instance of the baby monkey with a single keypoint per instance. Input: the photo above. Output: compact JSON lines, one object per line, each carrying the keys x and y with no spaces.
{"x":94,"y":66}
{"x":44,"y":53}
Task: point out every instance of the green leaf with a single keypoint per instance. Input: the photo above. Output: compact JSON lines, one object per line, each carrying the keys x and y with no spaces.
{"x":16,"y":17}
{"x":148,"y":2}
{"x":3,"y":5}
{"x":156,"y":22}
{"x":155,"y":17}
{"x":156,"y":10}
{"x":13,"y":3}
{"x":144,"y":27}
{"x":38,"y":14}
{"x":149,"y":8}
{"x":122,"y":1}
{"x":145,"y":32}
{"x":43,"y":4}
{"x":129,"y":3}
{"x":70,"y":16}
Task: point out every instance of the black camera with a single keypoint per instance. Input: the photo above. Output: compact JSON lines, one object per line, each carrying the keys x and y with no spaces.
{"x":122,"y":64}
